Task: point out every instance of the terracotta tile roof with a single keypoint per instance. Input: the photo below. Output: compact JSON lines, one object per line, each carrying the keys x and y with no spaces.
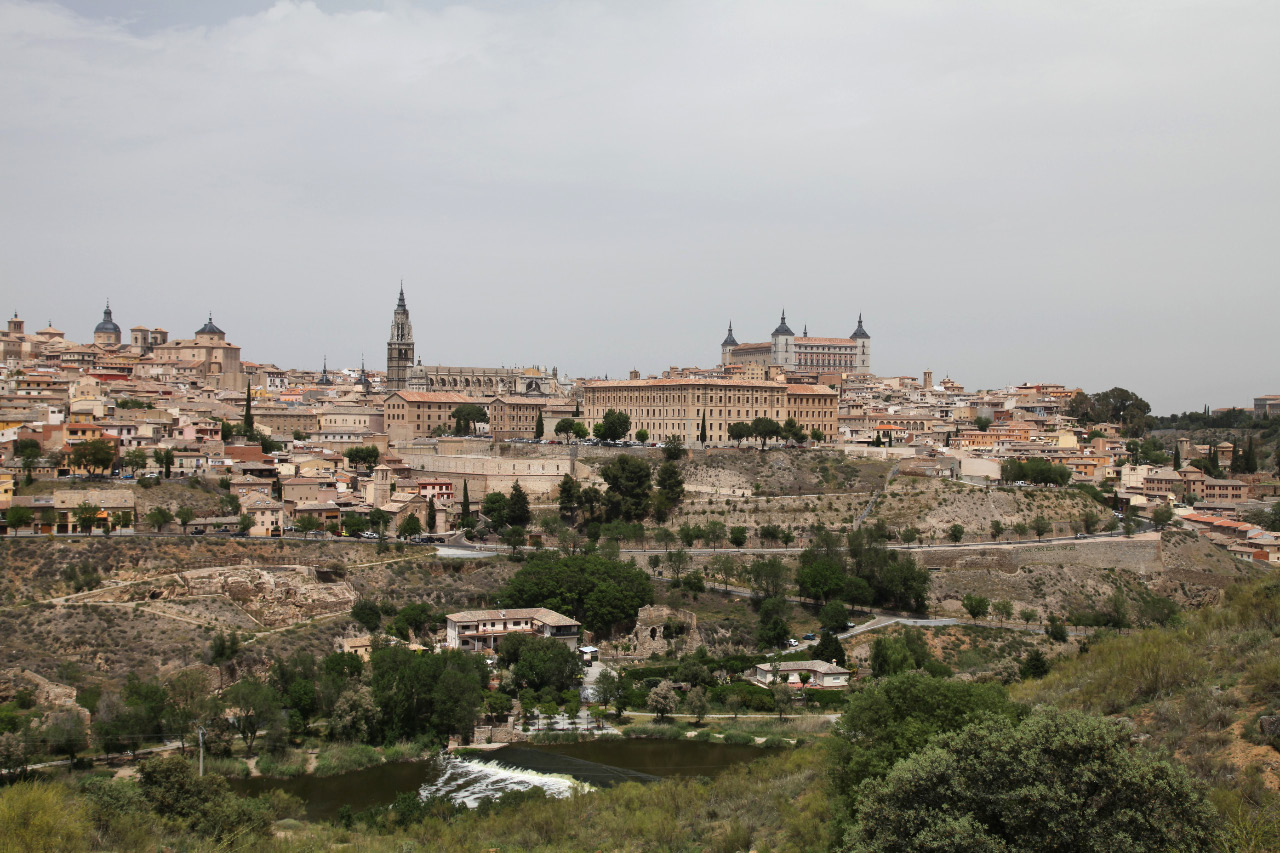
{"x":542,"y":614}
{"x":648,"y":383}
{"x":430,"y":397}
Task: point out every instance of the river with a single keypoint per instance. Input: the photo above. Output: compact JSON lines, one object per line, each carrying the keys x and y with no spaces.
{"x":558,"y":769}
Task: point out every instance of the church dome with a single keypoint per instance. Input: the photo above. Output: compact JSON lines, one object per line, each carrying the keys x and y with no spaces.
{"x":107,"y":326}
{"x":209,"y":329}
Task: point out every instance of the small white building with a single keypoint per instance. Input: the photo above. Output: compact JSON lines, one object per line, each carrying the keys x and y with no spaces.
{"x":473,"y":630}
{"x":822,"y":674}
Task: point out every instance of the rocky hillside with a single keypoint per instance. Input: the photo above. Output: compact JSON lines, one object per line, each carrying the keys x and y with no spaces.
{"x":1065,"y":576}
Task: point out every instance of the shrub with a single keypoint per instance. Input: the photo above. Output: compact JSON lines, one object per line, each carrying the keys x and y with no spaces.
{"x":739,"y":738}
{"x":654,"y":730}
{"x":37,"y":817}
{"x":287,"y":765}
{"x":775,"y":742}
{"x":343,"y":758}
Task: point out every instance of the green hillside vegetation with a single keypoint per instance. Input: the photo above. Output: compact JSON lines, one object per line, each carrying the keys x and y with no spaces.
{"x":1195,"y":690}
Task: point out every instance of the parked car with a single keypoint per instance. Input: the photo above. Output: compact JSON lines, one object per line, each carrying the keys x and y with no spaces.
{"x":199,"y":531}
{"x":792,"y":641}
{"x":810,"y":637}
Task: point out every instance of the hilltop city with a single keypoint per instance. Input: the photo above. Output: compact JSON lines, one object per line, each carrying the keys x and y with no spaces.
{"x":453,"y":595}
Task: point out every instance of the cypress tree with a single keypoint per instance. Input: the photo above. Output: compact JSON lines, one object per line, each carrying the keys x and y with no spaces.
{"x":538,"y":427}
{"x":431,"y":515}
{"x":702,"y":434}
{"x":248,"y":412}
{"x":466,"y":502}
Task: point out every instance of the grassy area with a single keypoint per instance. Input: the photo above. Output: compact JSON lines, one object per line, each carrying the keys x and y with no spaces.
{"x":285,"y":765}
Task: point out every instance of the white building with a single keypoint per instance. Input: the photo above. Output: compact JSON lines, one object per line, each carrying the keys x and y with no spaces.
{"x":473,"y":630}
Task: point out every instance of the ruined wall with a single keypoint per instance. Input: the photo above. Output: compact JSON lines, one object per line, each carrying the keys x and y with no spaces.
{"x":649,"y":635}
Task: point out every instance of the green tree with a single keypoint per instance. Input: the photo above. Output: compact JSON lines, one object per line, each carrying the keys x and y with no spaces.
{"x":670,"y":484}
{"x":737,"y":536}
{"x":158,"y":518}
{"x":564,"y":428}
{"x":714,"y":533}
{"x":368,"y":614}
{"x":816,"y":436}
{"x":1040,"y":526}
{"x":185,"y":515}
{"x":18,"y":516}
{"x":367,"y":456}
{"x":765,"y":429}
{"x":1020,"y":529}
{"x":465,"y":508}
{"x":515,"y":537}
{"x":63,"y":733}
{"x":539,"y":663}
{"x":997,"y":785}
{"x":773,"y":629}
{"x":896,"y":716}
{"x":410,"y":526}
{"x":518,"y":513}
{"x":245,"y":524}
{"x":678,"y":563}
{"x":307,"y":524}
{"x":1026,"y":614}
{"x":97,"y":454}
{"x":538,"y":427}
{"x":135,"y":460}
{"x":739,"y":431}
{"x":976,"y":606}
{"x":1002,"y":608}
{"x":834,"y":616}
{"x":642,"y":436}
{"x":702,"y":431}
{"x":163,"y":457}
{"x":608,"y":688}
{"x":601,"y":594}
{"x":494,"y":508}
{"x":673,"y":448}
{"x":662,"y":699}
{"x":1161,"y":515}
{"x":246,"y":421}
{"x":1089,"y":521}
{"x":890,"y":656}
{"x":466,"y":416}
{"x":86,"y":515}
{"x":431,"y":514}
{"x":828,"y":648}
{"x":570,"y":495}
{"x":956,"y":533}
{"x":628,"y":495}
{"x":1055,"y":629}
{"x":792,"y":431}
{"x":982,"y":423}
{"x":997,"y":528}
{"x":613,"y":426}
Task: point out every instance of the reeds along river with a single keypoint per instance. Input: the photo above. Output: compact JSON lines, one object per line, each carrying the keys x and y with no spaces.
{"x":558,"y":769}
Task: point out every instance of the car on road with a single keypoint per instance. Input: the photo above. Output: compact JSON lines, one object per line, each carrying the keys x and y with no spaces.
{"x":793,"y":642}
{"x":809,"y":637}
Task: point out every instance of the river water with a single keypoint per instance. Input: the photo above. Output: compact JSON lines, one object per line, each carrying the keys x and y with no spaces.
{"x":557,"y":769}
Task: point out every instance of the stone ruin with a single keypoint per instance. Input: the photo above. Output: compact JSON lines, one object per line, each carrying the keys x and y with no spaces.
{"x":275,"y":597}
{"x":659,"y":628}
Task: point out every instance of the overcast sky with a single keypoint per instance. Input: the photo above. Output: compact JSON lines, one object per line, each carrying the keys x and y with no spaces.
{"x":1079,"y":192}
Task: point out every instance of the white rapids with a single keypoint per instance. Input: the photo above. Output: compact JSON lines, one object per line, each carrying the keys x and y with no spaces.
{"x":470,"y":781}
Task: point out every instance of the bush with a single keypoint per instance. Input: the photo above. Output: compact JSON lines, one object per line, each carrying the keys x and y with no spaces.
{"x":775,"y":742}
{"x":344,"y":758}
{"x":739,"y":738}
{"x":37,"y":817}
{"x":284,"y":766}
{"x":654,"y":730}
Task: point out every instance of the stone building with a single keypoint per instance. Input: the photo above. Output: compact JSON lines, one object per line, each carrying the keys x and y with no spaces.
{"x":487,"y":381}
{"x":666,"y":407}
{"x":802,"y":354}
{"x":399,"y":346}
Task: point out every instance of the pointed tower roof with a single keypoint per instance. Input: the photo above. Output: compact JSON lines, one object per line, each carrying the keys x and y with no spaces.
{"x":730,"y":340}
{"x":400,"y":306}
{"x":860,"y":332}
{"x":324,"y":372}
{"x":783,"y":328}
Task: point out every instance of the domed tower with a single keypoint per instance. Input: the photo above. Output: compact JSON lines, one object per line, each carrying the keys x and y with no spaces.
{"x":727,"y":345}
{"x":784,"y":345}
{"x":106,"y":333}
{"x":862,"y":348}
{"x":209,"y":333}
{"x":399,"y":346}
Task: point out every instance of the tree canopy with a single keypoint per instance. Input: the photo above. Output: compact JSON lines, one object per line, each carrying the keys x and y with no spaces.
{"x":1059,"y":780}
{"x":602,"y":594}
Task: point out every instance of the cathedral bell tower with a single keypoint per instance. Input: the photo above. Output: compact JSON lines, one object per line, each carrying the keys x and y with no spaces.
{"x":399,"y":346}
